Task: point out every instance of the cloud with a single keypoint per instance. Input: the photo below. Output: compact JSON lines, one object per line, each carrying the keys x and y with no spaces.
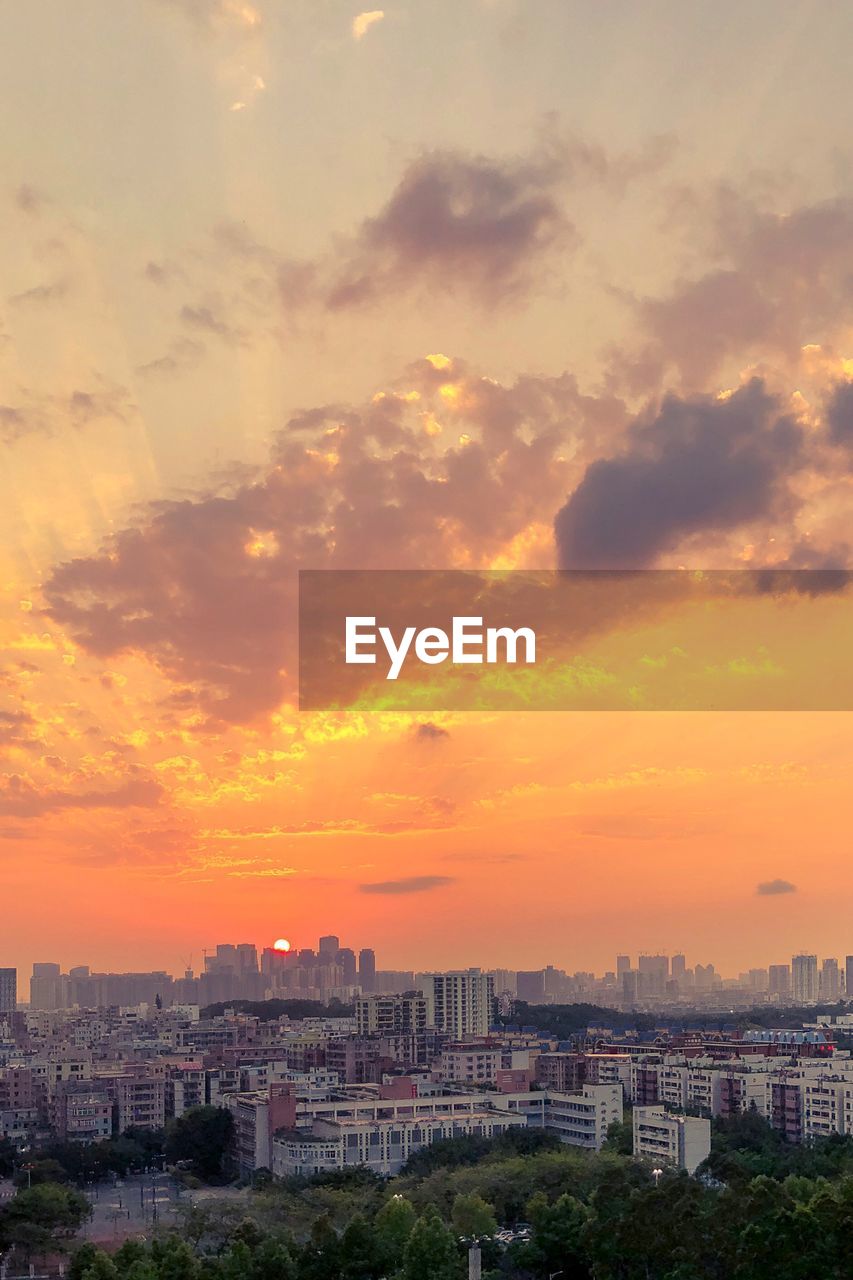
{"x":839,"y":414}
{"x":769,"y":888}
{"x":362,"y":24}
{"x":779,"y":279}
{"x":429,"y":732}
{"x":459,"y":222}
{"x":206,"y":588}
{"x":30,"y":200}
{"x":696,"y":465}
{"x":79,"y":408}
{"x":233,"y":14}
{"x":20,"y":798}
{"x":411,"y":884}
{"x":40,"y":294}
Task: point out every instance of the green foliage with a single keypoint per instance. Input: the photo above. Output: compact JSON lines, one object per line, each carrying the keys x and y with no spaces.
{"x":38,"y":1219}
{"x":432,"y":1252}
{"x":94,"y":1161}
{"x":394,"y":1224}
{"x":472,"y":1216}
{"x":452,"y":1153}
{"x":8,"y":1157}
{"x":201,"y":1136}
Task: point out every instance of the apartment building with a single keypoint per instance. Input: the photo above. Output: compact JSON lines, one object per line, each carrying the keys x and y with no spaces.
{"x":461,"y":1001}
{"x":257,"y":1117}
{"x":393,"y":1014}
{"x":682,"y":1141}
{"x":139,"y":1099}
{"x":82,"y":1112}
{"x":582,"y":1119}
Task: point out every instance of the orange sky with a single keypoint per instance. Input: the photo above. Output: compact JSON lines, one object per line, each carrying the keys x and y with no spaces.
{"x":283,"y":289}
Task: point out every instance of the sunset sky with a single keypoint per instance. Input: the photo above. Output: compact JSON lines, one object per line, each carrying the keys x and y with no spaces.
{"x":460,"y":284}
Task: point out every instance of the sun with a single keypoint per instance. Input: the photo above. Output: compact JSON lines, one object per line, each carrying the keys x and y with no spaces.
{"x":281,"y":944}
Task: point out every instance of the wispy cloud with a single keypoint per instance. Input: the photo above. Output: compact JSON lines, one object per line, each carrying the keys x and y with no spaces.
{"x":362,"y":24}
{"x":410,"y":884}
{"x":769,"y":888}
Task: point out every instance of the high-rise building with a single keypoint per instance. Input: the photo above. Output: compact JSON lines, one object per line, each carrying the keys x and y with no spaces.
{"x":393,"y":1014}
{"x":678,"y":967}
{"x":8,"y":991}
{"x":623,"y":964}
{"x":804,"y":981}
{"x":655,"y":970}
{"x":779,"y":980}
{"x":329,"y":946}
{"x":462,"y":1001}
{"x":829,"y":986}
{"x":345,"y":957}
{"x":848,"y":976}
{"x":530,"y":985}
{"x":47,"y":987}
{"x":367,"y":970}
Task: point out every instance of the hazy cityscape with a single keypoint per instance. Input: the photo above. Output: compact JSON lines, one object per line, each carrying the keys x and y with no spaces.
{"x":243,"y":971}
{"x":287,"y":1063}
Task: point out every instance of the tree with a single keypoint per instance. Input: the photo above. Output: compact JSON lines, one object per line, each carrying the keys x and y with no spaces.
{"x":473,"y":1216}
{"x":321,"y":1257}
{"x":432,"y":1252}
{"x":202,"y":1136}
{"x":40,"y":1217}
{"x":101,"y":1268}
{"x":8,"y":1157}
{"x":361,"y":1257}
{"x":174,"y":1259}
{"x":38,"y":1171}
{"x":558,"y":1232}
{"x":394,"y":1224}
{"x":82,"y":1260}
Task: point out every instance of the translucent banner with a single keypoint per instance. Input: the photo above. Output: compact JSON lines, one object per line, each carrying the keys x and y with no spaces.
{"x":652,"y":640}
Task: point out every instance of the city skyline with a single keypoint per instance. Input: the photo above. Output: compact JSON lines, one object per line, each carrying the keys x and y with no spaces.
{"x":331,"y":972}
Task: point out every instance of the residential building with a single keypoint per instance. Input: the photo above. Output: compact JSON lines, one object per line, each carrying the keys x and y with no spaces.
{"x":462,"y":1002}
{"x":804,"y":979}
{"x":682,"y":1141}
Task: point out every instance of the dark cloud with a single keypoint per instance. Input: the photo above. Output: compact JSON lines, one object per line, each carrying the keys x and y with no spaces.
{"x":780,"y":281}
{"x":29,"y":199}
{"x":768,"y":888}
{"x":40,"y":294}
{"x":697,"y":465}
{"x":457,"y":221}
{"x":19,"y":798}
{"x":429,"y":732}
{"x":411,"y":884}
{"x":16,"y":729}
{"x":206,"y":318}
{"x":36,"y":412}
{"x":839,"y":414}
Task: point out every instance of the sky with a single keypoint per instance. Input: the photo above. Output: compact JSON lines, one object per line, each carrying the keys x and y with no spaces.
{"x":481,"y":284}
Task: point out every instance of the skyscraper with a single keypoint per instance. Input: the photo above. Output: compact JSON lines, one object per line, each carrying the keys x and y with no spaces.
{"x":779,"y":980}
{"x":329,"y":946}
{"x":804,"y":986}
{"x":623,"y":964}
{"x":830,"y":980}
{"x":345,"y":957}
{"x":8,"y":991}
{"x":848,"y":977}
{"x":367,"y":970}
